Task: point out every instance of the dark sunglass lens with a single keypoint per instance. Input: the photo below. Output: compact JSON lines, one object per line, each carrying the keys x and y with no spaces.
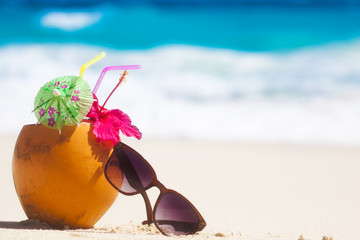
{"x":114,"y":173}
{"x":174,"y":216}
{"x":136,"y":174}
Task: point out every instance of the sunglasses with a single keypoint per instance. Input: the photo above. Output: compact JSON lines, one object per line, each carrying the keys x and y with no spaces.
{"x":129,"y":173}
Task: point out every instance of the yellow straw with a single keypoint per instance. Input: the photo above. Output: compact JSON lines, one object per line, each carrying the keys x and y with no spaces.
{"x":91,"y":62}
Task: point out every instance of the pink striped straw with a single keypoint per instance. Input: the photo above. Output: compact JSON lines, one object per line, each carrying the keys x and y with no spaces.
{"x":110,"y":68}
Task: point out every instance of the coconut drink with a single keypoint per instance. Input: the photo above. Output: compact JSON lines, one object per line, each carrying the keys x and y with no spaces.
{"x":58,"y":164}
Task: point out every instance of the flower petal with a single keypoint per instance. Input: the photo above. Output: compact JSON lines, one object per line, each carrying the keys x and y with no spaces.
{"x":123,"y":122}
{"x":104,"y":131}
{"x":108,"y":123}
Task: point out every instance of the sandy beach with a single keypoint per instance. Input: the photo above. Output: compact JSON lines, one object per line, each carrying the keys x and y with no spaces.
{"x":244,"y":190}
{"x":249,"y":109}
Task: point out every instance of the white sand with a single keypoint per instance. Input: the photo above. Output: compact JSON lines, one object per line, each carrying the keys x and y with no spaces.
{"x":243,"y":190}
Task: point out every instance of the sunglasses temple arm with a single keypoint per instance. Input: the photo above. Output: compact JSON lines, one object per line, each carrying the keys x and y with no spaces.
{"x":149,"y":212}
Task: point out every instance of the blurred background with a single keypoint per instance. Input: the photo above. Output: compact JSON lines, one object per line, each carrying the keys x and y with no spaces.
{"x":248,"y":70}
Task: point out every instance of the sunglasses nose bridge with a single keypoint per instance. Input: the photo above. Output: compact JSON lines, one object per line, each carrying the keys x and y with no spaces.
{"x":160,"y":186}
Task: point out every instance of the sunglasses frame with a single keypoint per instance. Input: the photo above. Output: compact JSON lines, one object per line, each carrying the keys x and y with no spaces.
{"x":154,"y":183}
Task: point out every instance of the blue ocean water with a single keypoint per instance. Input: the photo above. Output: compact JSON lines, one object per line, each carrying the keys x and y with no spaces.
{"x":240,"y":27}
{"x":244,"y":70}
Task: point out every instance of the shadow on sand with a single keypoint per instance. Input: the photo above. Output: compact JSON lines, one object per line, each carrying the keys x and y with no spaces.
{"x":26,"y":224}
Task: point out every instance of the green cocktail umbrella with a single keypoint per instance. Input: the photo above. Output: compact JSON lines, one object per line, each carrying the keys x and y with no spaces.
{"x":63,"y":101}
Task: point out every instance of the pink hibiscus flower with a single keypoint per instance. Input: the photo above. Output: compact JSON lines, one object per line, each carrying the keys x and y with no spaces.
{"x":107,"y":123}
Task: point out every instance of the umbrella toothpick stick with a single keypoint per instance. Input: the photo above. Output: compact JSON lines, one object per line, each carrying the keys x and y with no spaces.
{"x":89,"y":63}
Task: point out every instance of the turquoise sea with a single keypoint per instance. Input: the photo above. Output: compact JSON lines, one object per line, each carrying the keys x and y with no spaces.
{"x":285,"y":71}
{"x":240,"y":27}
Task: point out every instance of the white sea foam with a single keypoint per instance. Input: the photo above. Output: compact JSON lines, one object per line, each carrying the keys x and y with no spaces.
{"x":310,"y":95}
{"x":70,"y":21}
